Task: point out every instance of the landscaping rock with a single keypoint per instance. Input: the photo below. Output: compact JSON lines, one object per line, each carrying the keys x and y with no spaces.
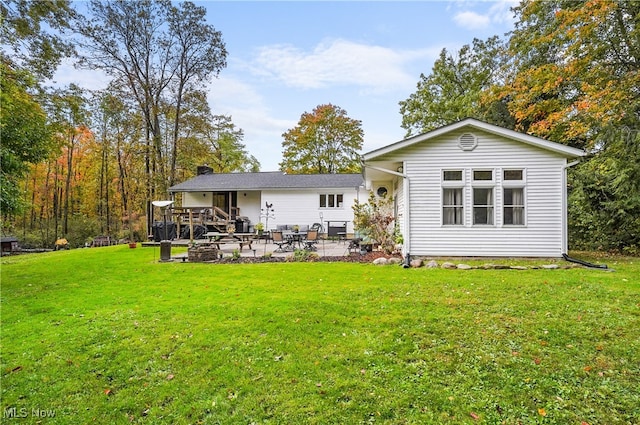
{"x":416,"y":263}
{"x":488,"y":266}
{"x":518,"y":268}
{"x":447,"y":265}
{"x":550,"y":266}
{"x":433,"y":264}
{"x":463,"y":267}
{"x":394,"y":260}
{"x":202,"y":253}
{"x":380,"y":261}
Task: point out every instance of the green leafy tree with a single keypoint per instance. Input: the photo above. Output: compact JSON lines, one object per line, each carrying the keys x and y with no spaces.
{"x":31,"y":50}
{"x":26,"y":135}
{"x":325,"y":141}
{"x":31,"y":34}
{"x":456,"y":87}
{"x":212,"y":139}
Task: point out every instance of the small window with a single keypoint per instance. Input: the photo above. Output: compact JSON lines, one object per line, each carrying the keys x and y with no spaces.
{"x":482,"y":175}
{"x":331,"y":200}
{"x":513,"y":175}
{"x":452,"y":175}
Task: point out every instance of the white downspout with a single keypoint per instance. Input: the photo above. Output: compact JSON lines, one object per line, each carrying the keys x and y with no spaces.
{"x":406,"y":231}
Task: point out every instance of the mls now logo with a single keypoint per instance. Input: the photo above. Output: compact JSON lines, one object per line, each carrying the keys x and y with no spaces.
{"x":14,"y":412}
{"x":21,"y":413}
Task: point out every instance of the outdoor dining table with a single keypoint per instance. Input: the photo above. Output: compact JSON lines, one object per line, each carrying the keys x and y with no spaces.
{"x":296,"y":238}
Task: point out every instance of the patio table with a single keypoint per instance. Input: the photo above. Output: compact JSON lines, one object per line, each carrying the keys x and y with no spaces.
{"x":243,"y":239}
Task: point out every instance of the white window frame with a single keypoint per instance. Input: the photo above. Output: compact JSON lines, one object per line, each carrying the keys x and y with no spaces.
{"x":336,"y":198}
{"x":515,"y":184}
{"x":483,"y":184}
{"x":456,"y":185}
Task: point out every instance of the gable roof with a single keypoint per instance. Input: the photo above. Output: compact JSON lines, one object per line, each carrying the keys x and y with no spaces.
{"x":267,"y":180}
{"x":558,"y":148}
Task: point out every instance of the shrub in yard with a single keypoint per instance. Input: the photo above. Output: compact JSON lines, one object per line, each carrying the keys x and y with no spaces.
{"x":375,"y":219}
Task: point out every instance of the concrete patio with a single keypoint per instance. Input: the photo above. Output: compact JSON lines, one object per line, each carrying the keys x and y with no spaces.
{"x":260,"y":248}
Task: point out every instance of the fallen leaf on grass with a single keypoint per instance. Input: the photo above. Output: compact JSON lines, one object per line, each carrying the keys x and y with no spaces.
{"x":170,"y":377}
{"x":542,"y":412}
{"x":537,"y":360}
{"x":474,"y":416}
{"x":108,"y":392}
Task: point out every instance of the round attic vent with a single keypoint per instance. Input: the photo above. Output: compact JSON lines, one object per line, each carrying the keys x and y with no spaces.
{"x":467,"y":142}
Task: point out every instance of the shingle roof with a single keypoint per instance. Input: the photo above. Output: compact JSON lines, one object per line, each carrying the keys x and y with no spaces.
{"x":266,"y":180}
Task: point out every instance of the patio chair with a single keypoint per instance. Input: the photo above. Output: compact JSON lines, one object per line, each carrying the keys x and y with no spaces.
{"x":354,"y":246}
{"x":318,"y":227}
{"x":283,"y":243}
{"x":311,"y":240}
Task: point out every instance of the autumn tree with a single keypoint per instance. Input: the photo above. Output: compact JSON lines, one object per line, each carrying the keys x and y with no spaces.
{"x":455,"y":89}
{"x":576,"y":80}
{"x":324,"y":141}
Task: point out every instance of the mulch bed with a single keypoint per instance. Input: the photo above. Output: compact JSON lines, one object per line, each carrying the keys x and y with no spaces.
{"x":351,"y":258}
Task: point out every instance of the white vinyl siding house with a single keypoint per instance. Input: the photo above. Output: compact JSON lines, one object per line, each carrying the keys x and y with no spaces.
{"x":296,"y":199}
{"x":474,"y":189}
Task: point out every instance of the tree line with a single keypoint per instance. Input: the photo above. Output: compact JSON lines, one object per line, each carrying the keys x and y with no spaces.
{"x":76,"y":162}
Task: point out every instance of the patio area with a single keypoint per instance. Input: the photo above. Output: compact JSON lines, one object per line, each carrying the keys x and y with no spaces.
{"x":261,"y":248}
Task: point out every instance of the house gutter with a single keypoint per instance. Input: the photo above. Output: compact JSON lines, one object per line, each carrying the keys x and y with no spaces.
{"x":406,"y":231}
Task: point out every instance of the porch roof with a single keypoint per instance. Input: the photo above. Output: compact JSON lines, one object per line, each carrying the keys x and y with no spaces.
{"x":266,"y":180}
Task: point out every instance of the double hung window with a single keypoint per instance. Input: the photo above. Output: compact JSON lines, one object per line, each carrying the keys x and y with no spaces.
{"x":513,"y":197}
{"x":483,"y":198}
{"x":452,"y":197}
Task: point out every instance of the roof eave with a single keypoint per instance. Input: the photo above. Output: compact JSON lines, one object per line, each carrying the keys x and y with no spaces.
{"x":490,"y":128}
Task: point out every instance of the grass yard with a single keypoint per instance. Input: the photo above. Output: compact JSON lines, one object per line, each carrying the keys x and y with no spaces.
{"x":110,"y":335}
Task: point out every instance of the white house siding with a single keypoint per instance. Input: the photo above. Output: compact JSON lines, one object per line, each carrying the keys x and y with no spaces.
{"x":303,"y":207}
{"x":540,"y":237}
{"x":197,"y":199}
{"x":249,"y":205}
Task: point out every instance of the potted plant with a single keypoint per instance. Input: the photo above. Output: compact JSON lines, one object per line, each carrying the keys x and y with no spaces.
{"x":259,"y":228}
{"x":296,"y":228}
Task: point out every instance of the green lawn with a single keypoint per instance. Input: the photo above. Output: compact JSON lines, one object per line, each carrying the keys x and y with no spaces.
{"x":110,"y":335}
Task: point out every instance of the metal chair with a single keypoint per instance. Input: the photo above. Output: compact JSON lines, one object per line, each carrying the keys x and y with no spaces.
{"x":283,"y":243}
{"x":311,"y":240}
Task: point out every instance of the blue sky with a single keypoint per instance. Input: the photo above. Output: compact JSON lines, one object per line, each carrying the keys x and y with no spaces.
{"x":286,"y":58}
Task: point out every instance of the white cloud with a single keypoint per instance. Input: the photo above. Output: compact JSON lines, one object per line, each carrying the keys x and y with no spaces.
{"x":67,"y":73}
{"x":262,"y":131}
{"x":499,"y":13}
{"x":339,"y":62}
{"x":471,"y":20}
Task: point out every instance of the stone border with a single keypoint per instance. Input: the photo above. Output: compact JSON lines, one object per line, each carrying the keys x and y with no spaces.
{"x":433,"y":264}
